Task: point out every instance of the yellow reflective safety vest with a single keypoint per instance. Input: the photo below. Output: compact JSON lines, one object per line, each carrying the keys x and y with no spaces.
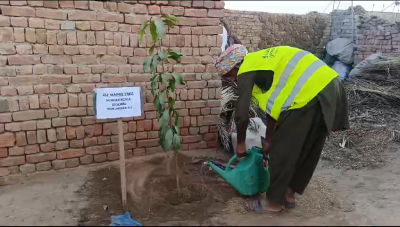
{"x":298,"y":78}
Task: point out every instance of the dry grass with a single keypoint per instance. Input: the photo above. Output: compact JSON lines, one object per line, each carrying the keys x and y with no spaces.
{"x":374,"y":108}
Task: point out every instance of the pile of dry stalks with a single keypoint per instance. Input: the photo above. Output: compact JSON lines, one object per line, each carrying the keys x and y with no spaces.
{"x":226,"y":124}
{"x":374,"y":109}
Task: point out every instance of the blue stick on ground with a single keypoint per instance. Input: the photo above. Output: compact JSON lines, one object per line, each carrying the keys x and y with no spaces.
{"x":124,"y":220}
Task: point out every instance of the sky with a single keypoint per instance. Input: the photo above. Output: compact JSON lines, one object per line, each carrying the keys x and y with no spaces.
{"x":303,"y":7}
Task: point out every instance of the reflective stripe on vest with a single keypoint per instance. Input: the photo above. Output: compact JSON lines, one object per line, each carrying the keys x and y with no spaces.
{"x":284,"y":78}
{"x":299,"y":70}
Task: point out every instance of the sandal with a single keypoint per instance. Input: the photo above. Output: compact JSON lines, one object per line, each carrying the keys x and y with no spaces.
{"x":290,"y":205}
{"x":258,"y":208}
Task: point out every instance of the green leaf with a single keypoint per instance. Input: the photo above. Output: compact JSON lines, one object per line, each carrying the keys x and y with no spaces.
{"x":170,"y":17}
{"x":161,"y":125}
{"x":162,"y":98}
{"x":154,"y":62}
{"x":164,"y":78}
{"x":175,"y":55}
{"x":177,"y":130}
{"x":176,"y":115}
{"x":163,"y":55}
{"x":152,"y":50}
{"x":176,"y":143}
{"x":160,"y":25}
{"x":170,"y":24}
{"x":166,"y":115}
{"x":169,"y":135}
{"x":142,"y":30}
{"x":178,"y":78}
{"x":171,"y":84}
{"x":146,"y":63}
{"x":171,"y":102}
{"x":153,"y":31}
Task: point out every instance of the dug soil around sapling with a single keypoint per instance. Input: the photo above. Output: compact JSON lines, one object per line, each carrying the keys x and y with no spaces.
{"x":153,"y":198}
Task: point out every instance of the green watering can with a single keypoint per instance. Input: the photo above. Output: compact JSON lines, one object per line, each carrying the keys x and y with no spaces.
{"x":249,"y":177}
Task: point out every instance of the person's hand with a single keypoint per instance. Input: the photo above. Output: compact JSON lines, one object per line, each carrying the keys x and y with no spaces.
{"x":241,"y":150}
{"x":266,"y":147}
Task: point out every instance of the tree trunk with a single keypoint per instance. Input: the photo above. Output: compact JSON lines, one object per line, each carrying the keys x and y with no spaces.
{"x":177,"y":174}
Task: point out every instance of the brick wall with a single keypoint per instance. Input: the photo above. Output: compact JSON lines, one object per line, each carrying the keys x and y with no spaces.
{"x":258,"y":30}
{"x":373,"y":32}
{"x":54,"y":53}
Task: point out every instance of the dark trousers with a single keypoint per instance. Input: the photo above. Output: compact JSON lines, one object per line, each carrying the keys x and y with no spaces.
{"x":296,"y":147}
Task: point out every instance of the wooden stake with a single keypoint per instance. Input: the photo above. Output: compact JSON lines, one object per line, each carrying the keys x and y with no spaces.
{"x":122,"y":162}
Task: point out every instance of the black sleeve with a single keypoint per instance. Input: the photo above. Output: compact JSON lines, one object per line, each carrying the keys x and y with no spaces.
{"x":245,"y":88}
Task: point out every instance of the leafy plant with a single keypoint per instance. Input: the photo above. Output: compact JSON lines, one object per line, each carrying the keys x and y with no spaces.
{"x":163,"y":84}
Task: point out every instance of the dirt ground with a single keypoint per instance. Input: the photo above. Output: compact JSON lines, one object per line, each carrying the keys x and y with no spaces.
{"x":86,"y":196}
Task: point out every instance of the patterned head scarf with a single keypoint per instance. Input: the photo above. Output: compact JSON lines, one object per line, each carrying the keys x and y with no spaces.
{"x":229,"y":58}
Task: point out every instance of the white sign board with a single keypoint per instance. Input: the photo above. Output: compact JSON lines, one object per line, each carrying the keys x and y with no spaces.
{"x":118,"y":102}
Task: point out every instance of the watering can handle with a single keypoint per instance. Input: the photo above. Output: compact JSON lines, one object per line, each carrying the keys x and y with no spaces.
{"x":228,"y":165}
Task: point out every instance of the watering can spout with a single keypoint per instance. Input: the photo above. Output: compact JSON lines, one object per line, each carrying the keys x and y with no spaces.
{"x":220,"y":171}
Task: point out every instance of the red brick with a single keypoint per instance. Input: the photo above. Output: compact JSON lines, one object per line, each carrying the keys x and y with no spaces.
{"x":82,"y":15}
{"x":87,"y":159}
{"x":187,"y":21}
{"x":195,"y":12}
{"x":70,"y":153}
{"x":75,"y":143}
{"x":61,"y":133}
{"x":98,"y":149}
{"x":51,"y":135}
{"x":36,"y":23}
{"x":42,"y":89}
{"x":47,"y":147}
{"x":216,"y":13}
{"x":28,"y":125}
{"x":19,"y":22}
{"x":32,"y":149}
{"x":154,"y":9}
{"x":140,"y":9}
{"x":7,"y":140}
{"x":50,"y":4}
{"x":100,"y":158}
{"x":51,"y":13}
{"x":41,"y":157}
{"x":136,"y":19}
{"x":41,"y":136}
{"x":125,"y":8}
{"x":14,"y":151}
{"x":8,"y":91}
{"x":74,"y":121}
{"x":191,"y":139}
{"x":103,"y":140}
{"x":28,"y":115}
{"x":113,"y":60}
{"x":147,"y":143}
{"x":23,"y":60}
{"x":13,"y":127}
{"x":12,"y":161}
{"x":6,"y":35}
{"x":94,"y":5}
{"x":67,"y":4}
{"x":90,"y":141}
{"x":219,"y":4}
{"x":51,"y":113}
{"x":81,"y":4}
{"x":19,"y":11}
{"x":61,"y":145}
{"x":82,"y":25}
{"x":111,"y":17}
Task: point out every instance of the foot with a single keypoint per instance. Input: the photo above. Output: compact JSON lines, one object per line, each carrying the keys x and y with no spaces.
{"x":290,"y":199}
{"x":273,"y":208}
{"x":264,"y":206}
